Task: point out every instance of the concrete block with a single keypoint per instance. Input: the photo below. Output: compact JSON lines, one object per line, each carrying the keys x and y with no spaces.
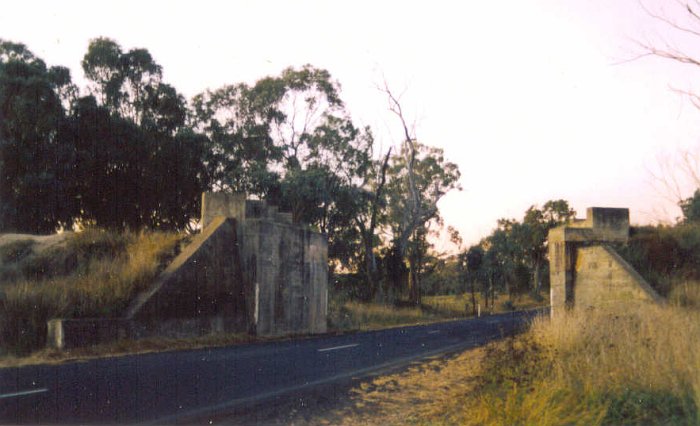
{"x":222,"y":204}
{"x":205,"y":280}
{"x":71,"y":333}
{"x":585,"y":271}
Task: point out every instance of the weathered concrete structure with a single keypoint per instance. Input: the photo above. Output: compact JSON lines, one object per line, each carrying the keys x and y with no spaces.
{"x":250,"y":270}
{"x":585,"y":270}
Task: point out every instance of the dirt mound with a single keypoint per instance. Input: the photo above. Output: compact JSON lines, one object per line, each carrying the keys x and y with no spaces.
{"x":24,"y":255}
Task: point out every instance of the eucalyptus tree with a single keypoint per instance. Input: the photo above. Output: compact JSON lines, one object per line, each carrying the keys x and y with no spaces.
{"x":35,"y":162}
{"x":516,"y":252}
{"x":137,"y":143}
{"x":412,"y":196}
{"x":535,"y":226}
{"x":131,"y":85}
{"x":290,"y":140}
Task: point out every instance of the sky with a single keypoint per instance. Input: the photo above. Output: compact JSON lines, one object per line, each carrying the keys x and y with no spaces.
{"x":534,"y":100}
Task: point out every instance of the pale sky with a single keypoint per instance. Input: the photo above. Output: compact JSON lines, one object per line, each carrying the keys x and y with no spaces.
{"x":529,"y":98}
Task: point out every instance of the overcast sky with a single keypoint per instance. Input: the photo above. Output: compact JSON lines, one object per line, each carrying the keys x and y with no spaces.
{"x":532,"y":99}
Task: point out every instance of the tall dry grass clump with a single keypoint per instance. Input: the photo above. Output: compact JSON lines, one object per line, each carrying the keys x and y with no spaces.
{"x":640,"y":365}
{"x":686,"y":294}
{"x":351,"y":315}
{"x":95,"y":273}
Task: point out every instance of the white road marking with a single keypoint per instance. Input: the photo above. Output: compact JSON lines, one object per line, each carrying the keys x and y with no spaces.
{"x":339,"y":347}
{"x":23,"y":393}
{"x":433,"y":331}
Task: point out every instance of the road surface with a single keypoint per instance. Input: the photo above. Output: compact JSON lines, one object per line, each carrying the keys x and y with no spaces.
{"x":176,"y":386}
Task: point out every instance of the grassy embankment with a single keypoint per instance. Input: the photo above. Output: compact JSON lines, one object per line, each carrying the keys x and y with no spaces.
{"x":94,"y":273}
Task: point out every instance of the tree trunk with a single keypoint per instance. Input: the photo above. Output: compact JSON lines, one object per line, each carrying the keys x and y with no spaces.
{"x":471,"y":282}
{"x":414,"y":281}
{"x":536,"y":276}
{"x":370,"y":269}
{"x":493,"y":293}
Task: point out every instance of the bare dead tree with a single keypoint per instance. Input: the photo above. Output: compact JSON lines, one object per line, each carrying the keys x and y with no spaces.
{"x":675,"y":174}
{"x":417,"y":213}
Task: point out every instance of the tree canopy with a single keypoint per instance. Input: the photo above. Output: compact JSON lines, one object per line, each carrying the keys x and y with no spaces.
{"x":129,"y":151}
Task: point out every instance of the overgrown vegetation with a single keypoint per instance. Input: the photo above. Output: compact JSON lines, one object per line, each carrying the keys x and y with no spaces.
{"x":596,"y":368}
{"x":94,"y":273}
{"x":667,"y":256}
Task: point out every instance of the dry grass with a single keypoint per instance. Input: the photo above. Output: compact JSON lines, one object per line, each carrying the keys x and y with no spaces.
{"x":460,"y":305}
{"x":352,"y":315}
{"x":640,"y":366}
{"x":423,"y":394}
{"x":94,"y":273}
{"x":686,"y":294}
{"x":369,"y":316}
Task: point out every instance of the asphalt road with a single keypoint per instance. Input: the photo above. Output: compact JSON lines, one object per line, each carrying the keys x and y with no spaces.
{"x":176,"y":386}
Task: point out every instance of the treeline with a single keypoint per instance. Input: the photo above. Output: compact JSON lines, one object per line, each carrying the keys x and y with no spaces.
{"x":511,"y":260}
{"x":130,"y":152}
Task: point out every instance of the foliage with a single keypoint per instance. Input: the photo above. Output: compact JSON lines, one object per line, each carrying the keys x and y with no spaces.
{"x":34,"y":159}
{"x":433,"y":176}
{"x":666,"y":256}
{"x":289,"y":139}
{"x":131,"y":153}
{"x":515,"y":254}
{"x":691,"y":208}
{"x":121,"y":157}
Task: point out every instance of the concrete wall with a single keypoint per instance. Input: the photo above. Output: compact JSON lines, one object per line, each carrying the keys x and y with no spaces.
{"x":585,"y":271}
{"x":71,"y":333}
{"x":203,"y":285}
{"x":288,"y":268}
{"x":222,"y":204}
{"x":561,"y":277}
{"x":604,"y":279}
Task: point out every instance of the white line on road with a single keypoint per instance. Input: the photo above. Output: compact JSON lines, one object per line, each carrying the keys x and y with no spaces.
{"x":433,"y":331}
{"x":23,"y":393}
{"x":338,"y":347}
